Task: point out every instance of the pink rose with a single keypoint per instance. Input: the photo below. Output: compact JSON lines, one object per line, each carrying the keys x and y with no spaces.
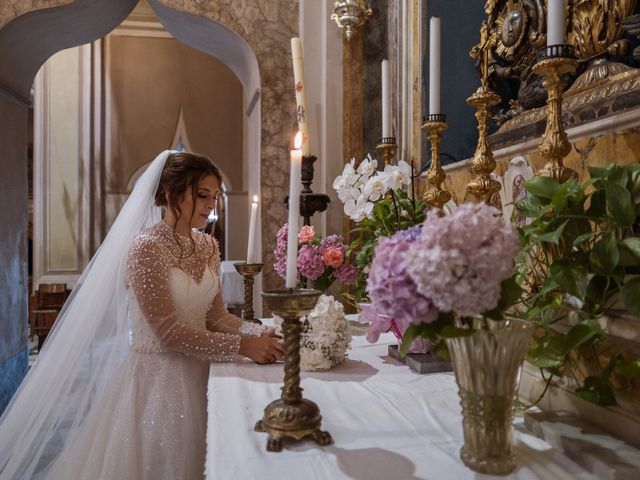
{"x":333,"y":256}
{"x":306,"y":234}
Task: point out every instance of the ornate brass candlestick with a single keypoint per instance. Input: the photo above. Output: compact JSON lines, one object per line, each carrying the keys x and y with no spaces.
{"x":483,"y":187}
{"x":435,"y":195}
{"x":387,"y":146}
{"x":291,"y":416}
{"x":553,"y":63}
{"x":248,"y":271}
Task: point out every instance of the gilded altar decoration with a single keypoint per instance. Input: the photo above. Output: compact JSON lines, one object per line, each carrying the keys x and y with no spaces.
{"x":484,"y":188}
{"x":595,"y":32}
{"x":435,"y":194}
{"x":517,"y":31}
{"x":350,"y":14}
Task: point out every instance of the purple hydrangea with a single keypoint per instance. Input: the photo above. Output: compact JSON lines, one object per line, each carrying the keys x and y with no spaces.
{"x":346,"y":273}
{"x":390,"y":288}
{"x":310,"y":262}
{"x":333,"y":241}
{"x":459,"y":261}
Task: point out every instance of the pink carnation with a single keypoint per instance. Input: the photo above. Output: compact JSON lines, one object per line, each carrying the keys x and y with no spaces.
{"x":333,"y":256}
{"x":307,"y":234}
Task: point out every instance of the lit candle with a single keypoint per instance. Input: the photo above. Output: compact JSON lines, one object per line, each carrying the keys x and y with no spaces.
{"x":434,"y":66}
{"x":556,"y":22}
{"x":386,"y":99}
{"x":294,"y":213}
{"x":252,"y":230}
{"x":301,"y":94}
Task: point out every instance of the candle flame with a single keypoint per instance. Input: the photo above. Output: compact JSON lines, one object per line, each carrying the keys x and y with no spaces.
{"x":255,"y":199}
{"x":298,"y":141}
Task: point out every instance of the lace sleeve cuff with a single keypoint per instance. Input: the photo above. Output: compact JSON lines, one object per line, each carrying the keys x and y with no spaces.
{"x":250,"y":329}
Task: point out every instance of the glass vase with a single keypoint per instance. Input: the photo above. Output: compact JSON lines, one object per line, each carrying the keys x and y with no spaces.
{"x":487,"y":367}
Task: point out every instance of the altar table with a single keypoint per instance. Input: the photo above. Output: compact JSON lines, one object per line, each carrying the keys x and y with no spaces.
{"x":387,"y":423}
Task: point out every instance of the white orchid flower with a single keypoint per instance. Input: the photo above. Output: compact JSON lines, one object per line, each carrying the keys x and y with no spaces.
{"x":368,"y":167}
{"x":398,"y":175}
{"x":359,"y":209}
{"x":375,"y":188}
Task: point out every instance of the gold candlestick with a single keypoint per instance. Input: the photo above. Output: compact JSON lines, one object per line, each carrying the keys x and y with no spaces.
{"x":554,"y":62}
{"x":435,"y":194}
{"x":387,"y":146}
{"x":291,"y":416}
{"x":248,"y":271}
{"x":483,"y":187}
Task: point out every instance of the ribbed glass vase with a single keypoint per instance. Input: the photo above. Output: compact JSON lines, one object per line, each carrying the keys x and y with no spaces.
{"x":487,"y":367}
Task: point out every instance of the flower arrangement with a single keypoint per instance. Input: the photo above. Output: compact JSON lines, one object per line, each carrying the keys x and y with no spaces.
{"x":321,"y":261}
{"x":325,"y":338}
{"x":379,"y":202}
{"x":436,"y":277}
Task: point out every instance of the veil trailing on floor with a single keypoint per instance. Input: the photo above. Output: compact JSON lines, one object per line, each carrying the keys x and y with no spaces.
{"x":84,"y":350}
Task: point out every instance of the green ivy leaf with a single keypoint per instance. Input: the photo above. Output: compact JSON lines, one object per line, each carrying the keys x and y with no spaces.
{"x":620,"y":207}
{"x":633,"y":244}
{"x":596,"y":292}
{"x":631,"y":296}
{"x":571,"y":277}
{"x":547,"y":352}
{"x":543,"y":187}
{"x":531,"y":206}
{"x":605,"y":255}
{"x":554,"y":236}
{"x":581,"y":334}
{"x":598,"y":391}
{"x":569,"y":192}
{"x":597,"y":207}
{"x":599,"y":172}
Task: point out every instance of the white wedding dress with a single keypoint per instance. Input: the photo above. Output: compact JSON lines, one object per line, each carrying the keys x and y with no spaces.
{"x":150,"y":422}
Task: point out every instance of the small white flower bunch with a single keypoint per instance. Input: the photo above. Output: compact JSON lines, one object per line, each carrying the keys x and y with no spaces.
{"x":326,"y":338}
{"x":359,"y":188}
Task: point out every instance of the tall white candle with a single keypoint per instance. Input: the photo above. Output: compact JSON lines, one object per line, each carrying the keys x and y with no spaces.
{"x":251,"y":257}
{"x":434,"y":66}
{"x":294,"y":213}
{"x":556,"y":22}
{"x":301,"y":93}
{"x":386,"y":101}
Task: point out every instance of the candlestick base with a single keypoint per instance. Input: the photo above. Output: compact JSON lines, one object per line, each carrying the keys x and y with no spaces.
{"x":435,"y":194}
{"x":248,"y":272}
{"x":291,"y":416}
{"x":387,"y":147}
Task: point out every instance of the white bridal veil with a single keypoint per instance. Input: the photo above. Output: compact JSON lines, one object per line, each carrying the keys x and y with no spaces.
{"x":85,"y":348}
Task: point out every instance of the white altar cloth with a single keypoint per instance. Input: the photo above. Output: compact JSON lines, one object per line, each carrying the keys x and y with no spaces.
{"x":387,"y":423}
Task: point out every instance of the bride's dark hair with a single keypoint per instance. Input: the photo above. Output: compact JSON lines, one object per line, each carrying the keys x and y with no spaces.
{"x":181,"y":171}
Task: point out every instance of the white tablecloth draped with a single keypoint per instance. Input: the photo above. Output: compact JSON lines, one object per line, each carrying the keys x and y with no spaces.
{"x":387,"y":422}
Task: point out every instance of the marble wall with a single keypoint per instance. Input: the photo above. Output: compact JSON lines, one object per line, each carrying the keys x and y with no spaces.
{"x":13,"y":248}
{"x":267,"y":27}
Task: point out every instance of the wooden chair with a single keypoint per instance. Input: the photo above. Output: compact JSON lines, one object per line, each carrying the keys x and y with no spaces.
{"x":49,"y":299}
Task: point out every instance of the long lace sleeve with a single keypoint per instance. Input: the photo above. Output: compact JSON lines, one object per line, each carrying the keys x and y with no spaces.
{"x":148,"y":276}
{"x":218,"y":318}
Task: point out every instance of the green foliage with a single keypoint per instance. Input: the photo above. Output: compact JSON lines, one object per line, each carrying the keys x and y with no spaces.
{"x":396,"y":211}
{"x":580,"y":254}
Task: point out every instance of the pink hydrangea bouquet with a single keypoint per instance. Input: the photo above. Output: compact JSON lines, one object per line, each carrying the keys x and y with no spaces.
{"x":322,"y":261}
{"x":436,"y":277}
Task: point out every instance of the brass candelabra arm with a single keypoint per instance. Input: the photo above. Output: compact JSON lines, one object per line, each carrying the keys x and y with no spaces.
{"x":554,"y":63}
{"x":248,"y":272}
{"x":387,"y":147}
{"x":435,"y":193}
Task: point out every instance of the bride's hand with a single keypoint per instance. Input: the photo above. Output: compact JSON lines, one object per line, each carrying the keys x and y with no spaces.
{"x":265,"y":349}
{"x":270,"y":332}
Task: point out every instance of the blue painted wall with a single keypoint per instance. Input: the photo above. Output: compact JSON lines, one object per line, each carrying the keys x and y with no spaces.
{"x":461,"y":20}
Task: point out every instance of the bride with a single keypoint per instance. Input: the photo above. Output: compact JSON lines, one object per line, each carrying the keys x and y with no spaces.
{"x":119,"y":388}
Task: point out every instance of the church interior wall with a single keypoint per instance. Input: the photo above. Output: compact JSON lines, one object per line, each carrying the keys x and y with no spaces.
{"x":13,"y":248}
